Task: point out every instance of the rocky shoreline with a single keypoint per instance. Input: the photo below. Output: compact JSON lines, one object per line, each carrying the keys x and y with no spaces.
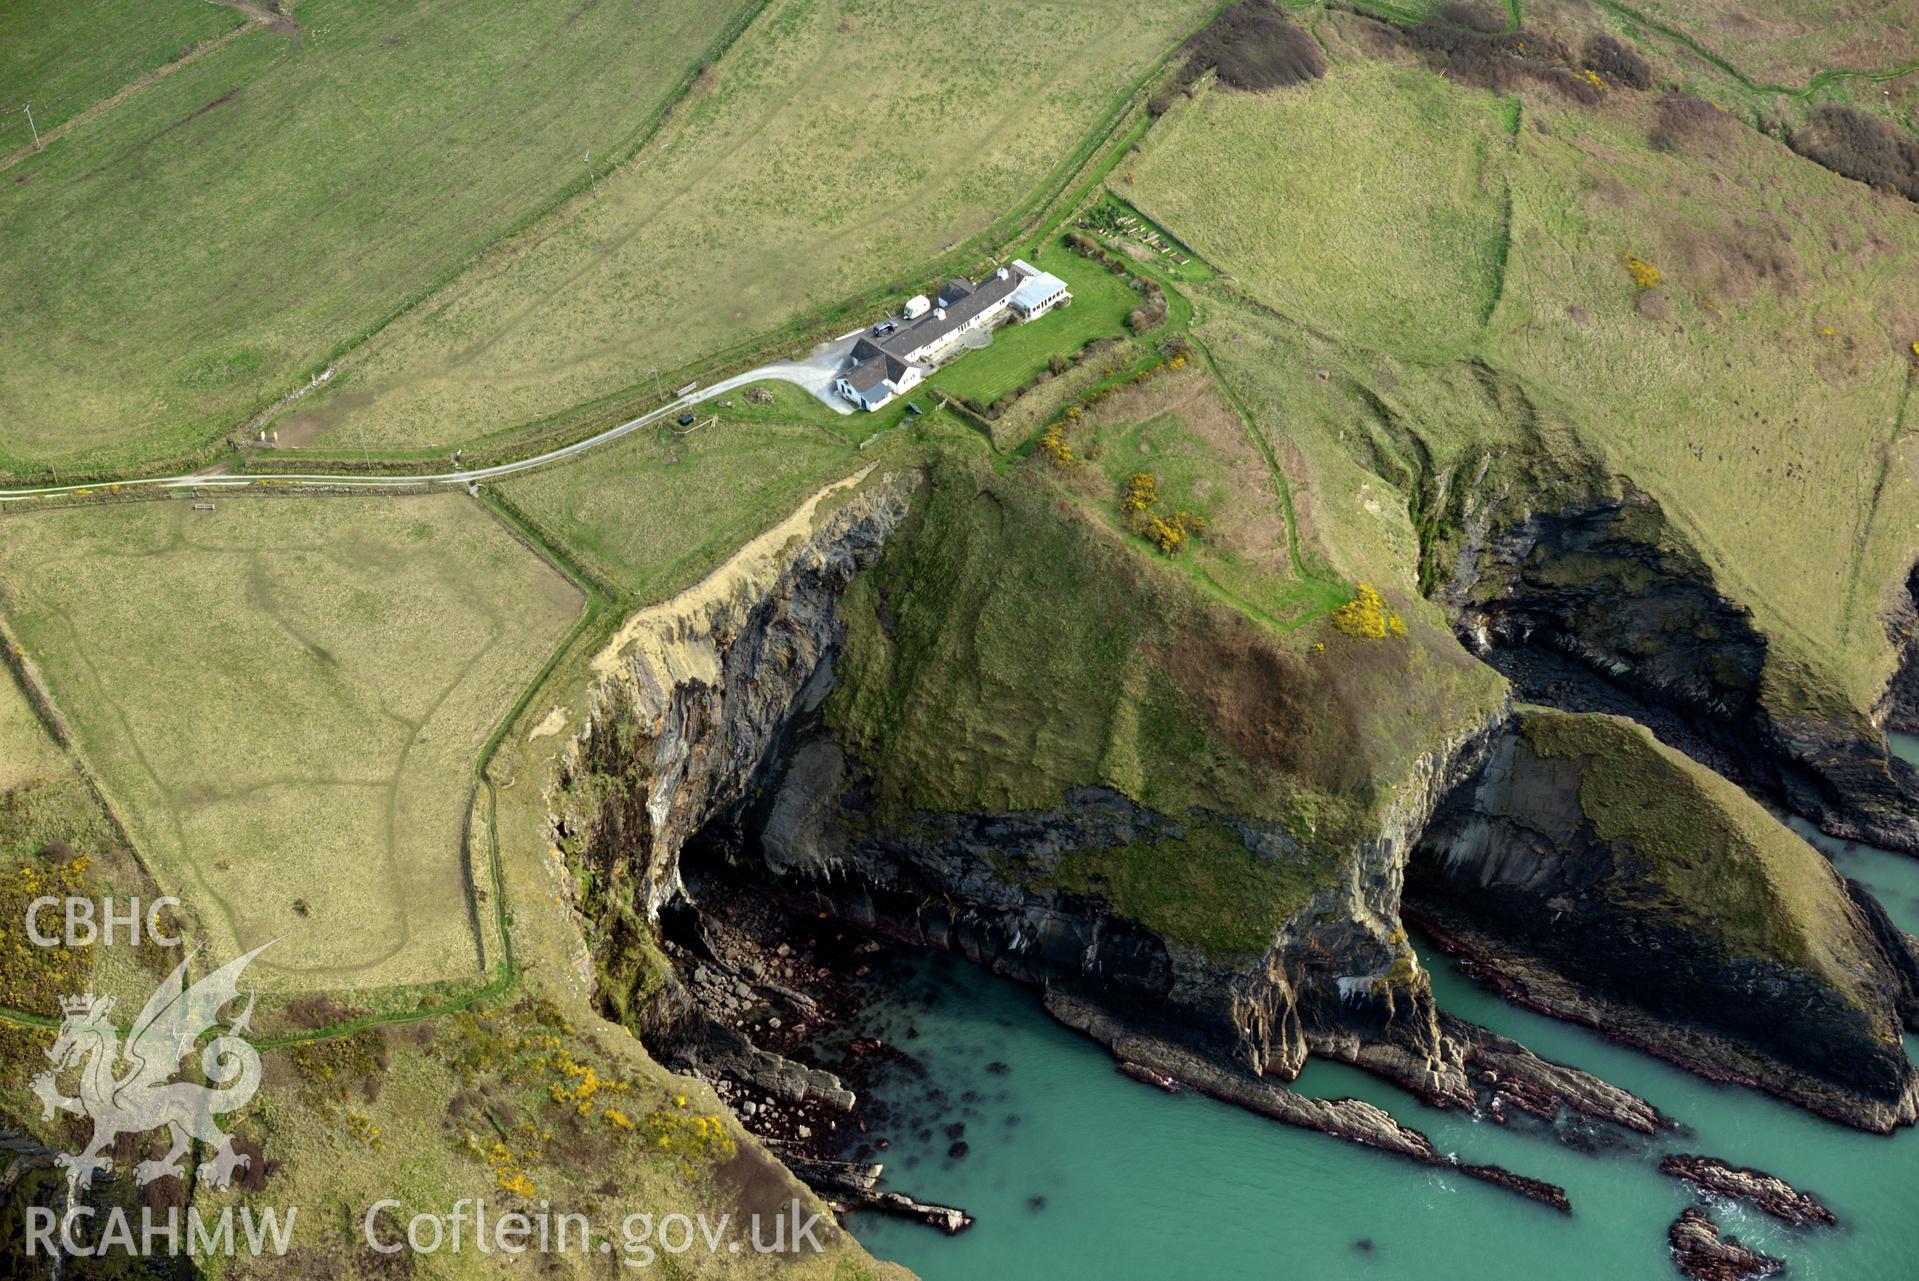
{"x":1702,"y":1254}
{"x":1543,"y":992}
{"x":1773,"y":1195}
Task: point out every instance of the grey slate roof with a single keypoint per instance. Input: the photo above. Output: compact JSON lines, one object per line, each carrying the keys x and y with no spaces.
{"x":866,"y":375}
{"x":885,"y":357}
{"x":932,"y":326}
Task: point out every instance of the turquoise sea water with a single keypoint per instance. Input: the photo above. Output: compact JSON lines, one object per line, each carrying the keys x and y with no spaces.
{"x":1074,"y":1171}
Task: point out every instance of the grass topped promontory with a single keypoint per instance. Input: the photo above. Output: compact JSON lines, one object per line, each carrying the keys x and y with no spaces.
{"x":286,"y":697}
{"x":1008,"y":647}
{"x":1718,"y":858}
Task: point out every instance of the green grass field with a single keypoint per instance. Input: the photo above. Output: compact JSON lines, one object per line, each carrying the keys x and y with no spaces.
{"x":652,"y":514}
{"x":26,"y":751}
{"x":746,"y":213}
{"x":1758,"y":392}
{"x":1366,"y":205}
{"x":64,"y":57}
{"x":287,"y":698}
{"x":185,"y":259}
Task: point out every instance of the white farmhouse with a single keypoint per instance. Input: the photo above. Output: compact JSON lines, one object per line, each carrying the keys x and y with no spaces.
{"x":888,"y":363}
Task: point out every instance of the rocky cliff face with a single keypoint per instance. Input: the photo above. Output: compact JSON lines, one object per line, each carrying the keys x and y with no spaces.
{"x":705,"y":720}
{"x":1603,"y":606}
{"x":1606,"y":879}
{"x":688,"y":701}
{"x":1338,"y":979}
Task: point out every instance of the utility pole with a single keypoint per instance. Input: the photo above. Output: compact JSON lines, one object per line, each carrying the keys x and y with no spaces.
{"x":587,"y":160}
{"x":28,"y":108}
{"x":659,"y":393}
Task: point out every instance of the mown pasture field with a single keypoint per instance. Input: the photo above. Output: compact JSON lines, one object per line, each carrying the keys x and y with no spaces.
{"x":1017,"y":352}
{"x":1366,"y":204}
{"x":63,"y":56}
{"x":655,"y":512}
{"x":181,"y":261}
{"x":746,"y":213}
{"x":286,"y":698}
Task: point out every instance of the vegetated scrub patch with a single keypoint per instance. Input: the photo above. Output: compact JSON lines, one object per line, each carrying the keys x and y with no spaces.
{"x":189,"y":257}
{"x":55,"y":840}
{"x":1367,"y":203}
{"x":286,"y":698}
{"x":63,"y":56}
{"x":918,"y":132}
{"x":1203,"y":886}
{"x":1868,"y":149}
{"x":1748,"y":372}
{"x":654,"y":513}
{"x":1253,"y":45}
{"x":1180,"y":430}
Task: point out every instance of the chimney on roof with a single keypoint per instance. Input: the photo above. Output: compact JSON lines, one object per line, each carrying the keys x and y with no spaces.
{"x":1001,"y":273}
{"x":939,"y":313}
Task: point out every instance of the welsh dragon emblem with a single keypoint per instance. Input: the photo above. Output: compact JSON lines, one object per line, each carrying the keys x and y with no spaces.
{"x":129,"y":1089}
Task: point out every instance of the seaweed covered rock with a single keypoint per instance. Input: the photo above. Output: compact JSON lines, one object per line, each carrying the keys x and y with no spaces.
{"x":1701,"y":1254}
{"x":1605,"y":878}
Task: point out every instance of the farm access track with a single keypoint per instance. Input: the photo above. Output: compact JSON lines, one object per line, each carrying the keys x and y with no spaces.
{"x":1058,"y":194}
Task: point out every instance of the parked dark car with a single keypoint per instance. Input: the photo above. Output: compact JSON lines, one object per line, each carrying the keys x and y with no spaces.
{"x":686,"y":420}
{"x":885,"y":327}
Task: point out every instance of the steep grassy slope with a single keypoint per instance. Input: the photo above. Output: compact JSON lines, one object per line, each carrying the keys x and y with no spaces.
{"x":187,"y":258}
{"x":1007,"y":649}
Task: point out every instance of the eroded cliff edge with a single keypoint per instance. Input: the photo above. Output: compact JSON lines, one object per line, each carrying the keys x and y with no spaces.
{"x":1605,"y":878}
{"x":860,"y":711}
{"x":1586,"y":594}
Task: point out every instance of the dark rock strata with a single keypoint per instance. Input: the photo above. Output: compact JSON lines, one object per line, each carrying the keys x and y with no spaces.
{"x":1739,"y":1183}
{"x":1805,"y":1003}
{"x":1701,"y":1254}
{"x":1605,"y":606}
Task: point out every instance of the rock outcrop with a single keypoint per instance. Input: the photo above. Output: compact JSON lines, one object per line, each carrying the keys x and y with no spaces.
{"x":1604,"y":606}
{"x":1701,"y":1254}
{"x":689,"y":699}
{"x":1339,"y":979}
{"x":1603,"y":877}
{"x":1740,"y":1183}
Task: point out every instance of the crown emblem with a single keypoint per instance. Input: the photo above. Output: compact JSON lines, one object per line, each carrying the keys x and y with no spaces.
{"x":86,"y":1005}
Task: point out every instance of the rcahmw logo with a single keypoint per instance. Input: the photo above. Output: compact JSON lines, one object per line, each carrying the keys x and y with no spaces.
{"x":156,"y":1235}
{"x":144,"y":1097}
